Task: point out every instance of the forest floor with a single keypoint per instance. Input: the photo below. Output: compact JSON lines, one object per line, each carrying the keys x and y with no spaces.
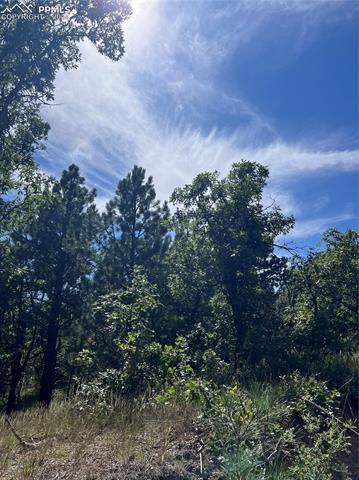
{"x":131,"y":442}
{"x":63,"y":444}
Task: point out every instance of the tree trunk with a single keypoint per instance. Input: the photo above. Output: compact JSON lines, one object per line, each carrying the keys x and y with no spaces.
{"x":236,"y":303}
{"x":16,"y":367}
{"x":50,"y":358}
{"x":47,"y":382}
{"x":14,"y":382}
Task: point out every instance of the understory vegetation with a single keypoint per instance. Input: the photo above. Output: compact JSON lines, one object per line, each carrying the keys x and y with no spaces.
{"x":293,"y":430}
{"x":160,"y":340}
{"x":144,"y":320}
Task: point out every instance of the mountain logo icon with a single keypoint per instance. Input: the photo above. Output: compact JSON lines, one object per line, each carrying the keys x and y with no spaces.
{"x":20,"y":7}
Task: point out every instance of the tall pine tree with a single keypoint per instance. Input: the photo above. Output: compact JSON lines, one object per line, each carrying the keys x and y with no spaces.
{"x":64,"y":237}
{"x":136,"y":232}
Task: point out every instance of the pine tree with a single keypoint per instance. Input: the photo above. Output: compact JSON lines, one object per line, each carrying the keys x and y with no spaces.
{"x":64,"y":237}
{"x":136,"y":232}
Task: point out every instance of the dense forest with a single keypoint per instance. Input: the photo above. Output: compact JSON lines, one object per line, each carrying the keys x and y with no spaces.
{"x":196,"y":305}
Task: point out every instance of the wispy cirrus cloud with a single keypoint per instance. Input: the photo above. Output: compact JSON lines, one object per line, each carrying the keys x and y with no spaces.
{"x":316,"y":226}
{"x":161,"y":107}
{"x":105,"y":125}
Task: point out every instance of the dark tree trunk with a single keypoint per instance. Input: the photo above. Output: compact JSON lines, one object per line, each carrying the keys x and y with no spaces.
{"x":16,"y":373}
{"x":238,"y":309}
{"x":240,"y":328}
{"x":50,"y":358}
{"x":47,"y":382}
{"x":133,"y":240}
{"x":16,"y":367}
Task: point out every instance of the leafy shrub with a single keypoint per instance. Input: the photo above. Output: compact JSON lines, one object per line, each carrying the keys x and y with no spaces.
{"x":324,"y":435}
{"x":214,"y":368}
{"x":181,"y":381}
{"x":290,"y":432}
{"x":96,"y":395}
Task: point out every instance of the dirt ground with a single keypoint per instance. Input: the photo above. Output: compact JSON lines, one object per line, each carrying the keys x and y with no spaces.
{"x":167,"y":449}
{"x":61,"y":444}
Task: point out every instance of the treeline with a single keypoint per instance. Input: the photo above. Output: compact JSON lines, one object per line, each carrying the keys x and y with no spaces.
{"x":146,"y":296}
{"x":31,"y":53}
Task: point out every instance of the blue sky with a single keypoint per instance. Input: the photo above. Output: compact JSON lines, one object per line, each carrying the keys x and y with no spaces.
{"x":205,"y":83}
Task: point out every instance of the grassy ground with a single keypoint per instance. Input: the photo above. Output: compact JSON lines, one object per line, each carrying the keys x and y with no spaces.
{"x":138,"y":441}
{"x":129,"y":443}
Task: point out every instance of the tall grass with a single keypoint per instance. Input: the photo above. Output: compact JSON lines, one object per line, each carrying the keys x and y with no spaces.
{"x":67,"y":437}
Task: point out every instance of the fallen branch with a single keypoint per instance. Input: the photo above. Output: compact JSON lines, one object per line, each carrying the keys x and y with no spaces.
{"x":23,"y":442}
{"x":330,"y":414}
{"x":275,"y":451}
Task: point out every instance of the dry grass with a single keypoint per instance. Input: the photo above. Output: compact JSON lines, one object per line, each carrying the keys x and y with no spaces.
{"x":132,"y":441}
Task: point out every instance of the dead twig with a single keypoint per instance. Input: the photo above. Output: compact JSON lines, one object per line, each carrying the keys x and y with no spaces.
{"x":275,"y":451}
{"x":200,"y":448}
{"x":330,"y":414}
{"x":23,"y":442}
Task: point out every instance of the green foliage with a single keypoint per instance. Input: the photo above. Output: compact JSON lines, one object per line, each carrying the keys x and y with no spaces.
{"x":125,"y":338}
{"x":290,"y":431}
{"x":39,"y":216}
{"x":96,"y":395}
{"x":191,"y":280}
{"x":245,"y":465}
{"x":248,"y":432}
{"x":326,"y":437}
{"x":31,"y":54}
{"x":33,"y":51}
{"x":182,"y":385}
{"x":231,"y":413}
{"x":214,"y":368}
{"x":319,"y":305}
{"x":107,"y":307}
{"x":135,"y":232}
{"x":239,"y":232}
{"x":317,"y":408}
{"x":187,"y":308}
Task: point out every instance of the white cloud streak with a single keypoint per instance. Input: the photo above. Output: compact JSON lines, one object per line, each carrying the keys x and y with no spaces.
{"x":312,"y":227}
{"x":109,"y":115}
